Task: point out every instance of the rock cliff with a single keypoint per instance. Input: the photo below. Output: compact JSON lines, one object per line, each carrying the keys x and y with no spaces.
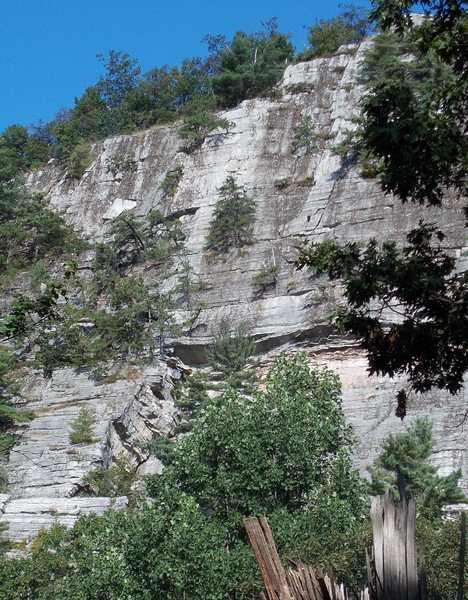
{"x":297,"y":194}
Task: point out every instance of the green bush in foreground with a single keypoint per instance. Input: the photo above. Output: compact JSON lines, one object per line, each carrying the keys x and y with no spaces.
{"x":286,"y":455}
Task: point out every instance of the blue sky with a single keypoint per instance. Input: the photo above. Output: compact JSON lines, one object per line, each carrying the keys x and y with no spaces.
{"x":48,"y":48}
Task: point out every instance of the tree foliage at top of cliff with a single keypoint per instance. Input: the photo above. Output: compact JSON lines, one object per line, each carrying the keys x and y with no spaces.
{"x":125,"y":100}
{"x":251,"y":64}
{"x":327,"y":35}
{"x":414,"y":133}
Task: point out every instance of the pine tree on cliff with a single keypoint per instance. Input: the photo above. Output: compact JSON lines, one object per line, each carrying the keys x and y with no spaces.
{"x":233,"y":218}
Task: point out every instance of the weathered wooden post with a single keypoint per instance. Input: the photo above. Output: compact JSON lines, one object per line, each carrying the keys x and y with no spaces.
{"x":300,"y":583}
{"x":271,"y":568}
{"x":396,"y":571}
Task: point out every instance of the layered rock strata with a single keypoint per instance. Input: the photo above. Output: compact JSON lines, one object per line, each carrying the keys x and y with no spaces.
{"x":298,"y":194}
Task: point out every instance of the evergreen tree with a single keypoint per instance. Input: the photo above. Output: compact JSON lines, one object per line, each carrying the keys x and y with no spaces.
{"x":9,"y":414}
{"x":327,"y":35}
{"x":233,"y":218}
{"x":81,"y":429}
{"x":128,"y":236}
{"x":198,"y":123}
{"x":251,"y":64}
{"x":229,"y":353}
{"x":409,"y":452}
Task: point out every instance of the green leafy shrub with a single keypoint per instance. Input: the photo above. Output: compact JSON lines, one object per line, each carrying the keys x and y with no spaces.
{"x":233,"y":216}
{"x":113,"y":481}
{"x":121,"y":164}
{"x":282,"y":182}
{"x":163,"y":448}
{"x":285,"y":455}
{"x":239,"y":460}
{"x":265,"y":278}
{"x":439,"y":543}
{"x":81,"y":429}
{"x":327,"y":35}
{"x":305,"y":181}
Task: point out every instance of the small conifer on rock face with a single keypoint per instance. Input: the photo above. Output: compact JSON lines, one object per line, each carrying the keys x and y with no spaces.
{"x":233,"y":218}
{"x":82,"y":427}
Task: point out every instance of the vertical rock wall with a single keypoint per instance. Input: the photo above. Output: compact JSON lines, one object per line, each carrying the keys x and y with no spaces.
{"x":297,"y":194}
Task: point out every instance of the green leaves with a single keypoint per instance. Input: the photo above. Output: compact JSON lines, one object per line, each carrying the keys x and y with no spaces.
{"x":406,"y":305}
{"x":250,"y":65}
{"x":327,"y":35}
{"x":285,"y":455}
{"x":253,"y":456}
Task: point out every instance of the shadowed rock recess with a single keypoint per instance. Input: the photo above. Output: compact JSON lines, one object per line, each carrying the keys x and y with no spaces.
{"x":297,"y":194}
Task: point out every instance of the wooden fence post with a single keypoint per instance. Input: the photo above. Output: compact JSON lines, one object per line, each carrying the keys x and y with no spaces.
{"x":393,"y":526}
{"x":271,"y":568}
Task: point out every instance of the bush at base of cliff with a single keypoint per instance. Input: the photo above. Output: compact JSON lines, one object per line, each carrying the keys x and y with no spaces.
{"x":285,"y":455}
{"x":439,"y":543}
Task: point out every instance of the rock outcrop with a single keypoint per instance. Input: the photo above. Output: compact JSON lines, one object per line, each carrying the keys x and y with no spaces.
{"x":297,"y":194}
{"x":25,"y":517}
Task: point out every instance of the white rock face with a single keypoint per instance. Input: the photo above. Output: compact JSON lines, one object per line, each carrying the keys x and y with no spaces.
{"x":128,"y":413}
{"x":117,"y":208}
{"x":324,"y":199}
{"x":26,"y":517}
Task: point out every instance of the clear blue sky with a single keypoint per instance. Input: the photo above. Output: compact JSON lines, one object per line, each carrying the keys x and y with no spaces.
{"x":48,"y":48}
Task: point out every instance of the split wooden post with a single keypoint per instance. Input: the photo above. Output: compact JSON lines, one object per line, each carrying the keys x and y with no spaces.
{"x":393,"y":526}
{"x":298,"y":584}
{"x":271,"y":569}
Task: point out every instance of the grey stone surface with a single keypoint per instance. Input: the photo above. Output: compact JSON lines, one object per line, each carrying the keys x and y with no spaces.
{"x":325,"y":199}
{"x":128,"y":412}
{"x":26,"y":517}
